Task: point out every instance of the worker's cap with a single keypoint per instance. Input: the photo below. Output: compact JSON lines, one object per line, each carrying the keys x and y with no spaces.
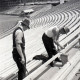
{"x":25,"y":22}
{"x":65,"y":30}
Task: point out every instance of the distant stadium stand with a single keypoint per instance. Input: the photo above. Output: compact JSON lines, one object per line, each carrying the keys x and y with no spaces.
{"x":26,"y":13}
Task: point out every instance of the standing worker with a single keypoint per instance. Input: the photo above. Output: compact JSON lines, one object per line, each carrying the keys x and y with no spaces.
{"x":19,"y":48}
{"x":50,"y":38}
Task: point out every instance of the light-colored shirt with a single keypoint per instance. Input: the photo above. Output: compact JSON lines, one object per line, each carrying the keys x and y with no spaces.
{"x":18,"y":36}
{"x":52,"y":32}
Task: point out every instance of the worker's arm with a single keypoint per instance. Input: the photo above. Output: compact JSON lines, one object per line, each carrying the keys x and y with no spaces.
{"x":19,"y":35}
{"x":58,"y":45}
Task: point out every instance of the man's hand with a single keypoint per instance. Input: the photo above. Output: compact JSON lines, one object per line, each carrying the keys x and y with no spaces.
{"x":22,"y":60}
{"x":62,"y":47}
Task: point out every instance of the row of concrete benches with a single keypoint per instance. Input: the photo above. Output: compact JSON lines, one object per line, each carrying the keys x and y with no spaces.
{"x":39,"y":32}
{"x":58,"y":8}
{"x":70,"y":40}
{"x":32,"y":75}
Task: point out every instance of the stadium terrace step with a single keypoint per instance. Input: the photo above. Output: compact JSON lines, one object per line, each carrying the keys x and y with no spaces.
{"x":59,"y":18}
{"x":60,"y":8}
{"x":45,"y":8}
{"x":55,"y":16}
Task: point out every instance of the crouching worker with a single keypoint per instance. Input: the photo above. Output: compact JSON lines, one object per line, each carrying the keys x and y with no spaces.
{"x":50,"y":37}
{"x":19,"y":48}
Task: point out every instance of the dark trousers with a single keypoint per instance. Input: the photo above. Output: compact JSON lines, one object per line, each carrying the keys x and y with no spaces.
{"x":21,"y":67}
{"x":49,"y":46}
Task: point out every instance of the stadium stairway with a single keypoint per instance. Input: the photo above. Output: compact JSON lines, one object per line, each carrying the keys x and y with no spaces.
{"x":39,"y":47}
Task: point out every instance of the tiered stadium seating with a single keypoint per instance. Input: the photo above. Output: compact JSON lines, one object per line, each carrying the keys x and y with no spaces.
{"x":59,"y":8}
{"x":39,"y":10}
{"x":70,"y":23}
{"x":35,"y":46}
{"x":41,"y":18}
{"x":7,"y":26}
{"x":67,"y":40}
